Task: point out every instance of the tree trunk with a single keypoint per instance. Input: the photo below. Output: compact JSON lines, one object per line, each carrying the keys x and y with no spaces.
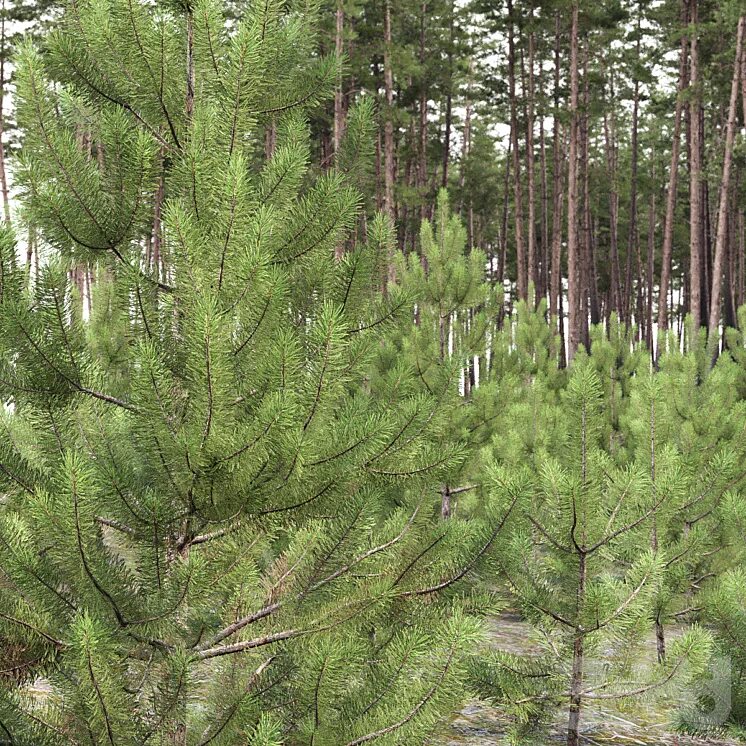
{"x":615,"y":290}
{"x":650,"y":275}
{"x":3,"y":174}
{"x":466,"y":148}
{"x":190,"y":77}
{"x":695,"y":170}
{"x":503,"y":255}
{"x":555,"y":275}
{"x":590,"y":292}
{"x":522,"y":269}
{"x":388,"y":133}
{"x":533,"y":273}
{"x":668,"y":225}
{"x":544,"y":274}
{"x":633,"y":246}
{"x":573,"y":273}
{"x":578,"y":660}
{"x":422,"y":164}
{"x":718,"y":266}
{"x":449,"y":98}
{"x":339,"y":113}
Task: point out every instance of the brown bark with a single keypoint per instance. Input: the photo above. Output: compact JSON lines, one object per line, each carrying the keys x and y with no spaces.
{"x":590,"y":292}
{"x":668,"y":225}
{"x":388,"y":143}
{"x":3,"y":174}
{"x":695,"y":172}
{"x":339,"y":112}
{"x":718,"y":265}
{"x":650,"y":274}
{"x":532,"y":270}
{"x":543,"y":288}
{"x":190,"y":73}
{"x":522,"y":269}
{"x":578,"y":662}
{"x":741,"y":260}
{"x":157,"y":221}
{"x":503,"y":248}
{"x":573,"y":268}
{"x":633,"y":245}
{"x":388,"y":131}
{"x":449,"y":99}
{"x":422,"y":165}
{"x":464,"y":158}
{"x":615,"y":290}
{"x":555,"y":275}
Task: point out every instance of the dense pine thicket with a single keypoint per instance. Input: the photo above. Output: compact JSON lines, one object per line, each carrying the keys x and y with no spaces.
{"x":270,"y":456}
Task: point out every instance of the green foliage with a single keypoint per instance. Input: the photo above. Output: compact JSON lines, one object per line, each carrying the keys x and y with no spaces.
{"x":213,"y":529}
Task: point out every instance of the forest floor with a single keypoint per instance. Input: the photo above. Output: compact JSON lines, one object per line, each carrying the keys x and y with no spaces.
{"x":649,"y":722}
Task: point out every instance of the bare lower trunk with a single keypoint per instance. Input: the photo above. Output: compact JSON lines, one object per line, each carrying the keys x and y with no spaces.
{"x":668,"y":226}
{"x":578,"y":661}
{"x":695,"y":172}
{"x":718,"y":265}
{"x":338,"y":94}
{"x":532,"y":269}
{"x":388,"y":135}
{"x":521,"y":264}
{"x":445,"y":502}
{"x":633,"y":244}
{"x":555,"y":275}
{"x":3,"y":174}
{"x":449,"y":99}
{"x":422,"y":162}
{"x":573,"y":268}
{"x":190,"y":79}
{"x":660,"y":640}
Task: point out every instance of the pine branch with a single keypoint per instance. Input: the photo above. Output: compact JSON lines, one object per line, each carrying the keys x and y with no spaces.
{"x":412,"y":713}
{"x":469,"y":566}
{"x":257,"y":642}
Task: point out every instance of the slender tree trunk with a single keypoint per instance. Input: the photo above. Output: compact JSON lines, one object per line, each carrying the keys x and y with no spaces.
{"x":633,"y":246}
{"x":555,"y":275}
{"x":388,"y":130}
{"x":190,"y":77}
{"x":578,"y":662}
{"x":544,"y":274}
{"x":591,"y":281}
{"x":522,"y":269}
{"x":388,"y":133}
{"x":741,"y":263}
{"x":615,"y":291}
{"x":3,"y":174}
{"x":533,"y":274}
{"x":422,"y":166}
{"x":650,"y":274}
{"x":339,"y":113}
{"x":503,"y":255}
{"x":718,"y":265}
{"x":465,"y":150}
{"x":573,"y":269}
{"x":729,"y":300}
{"x":668,"y":225}
{"x":449,"y":98}
{"x":157,"y":221}
{"x":695,"y":170}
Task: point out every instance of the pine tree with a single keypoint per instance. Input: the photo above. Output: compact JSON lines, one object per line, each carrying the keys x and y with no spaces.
{"x":579,"y":565}
{"x":688,"y":429}
{"x":212,"y":529}
{"x":453,"y":303}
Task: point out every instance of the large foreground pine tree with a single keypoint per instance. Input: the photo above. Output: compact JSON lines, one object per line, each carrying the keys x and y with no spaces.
{"x":212,"y":531}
